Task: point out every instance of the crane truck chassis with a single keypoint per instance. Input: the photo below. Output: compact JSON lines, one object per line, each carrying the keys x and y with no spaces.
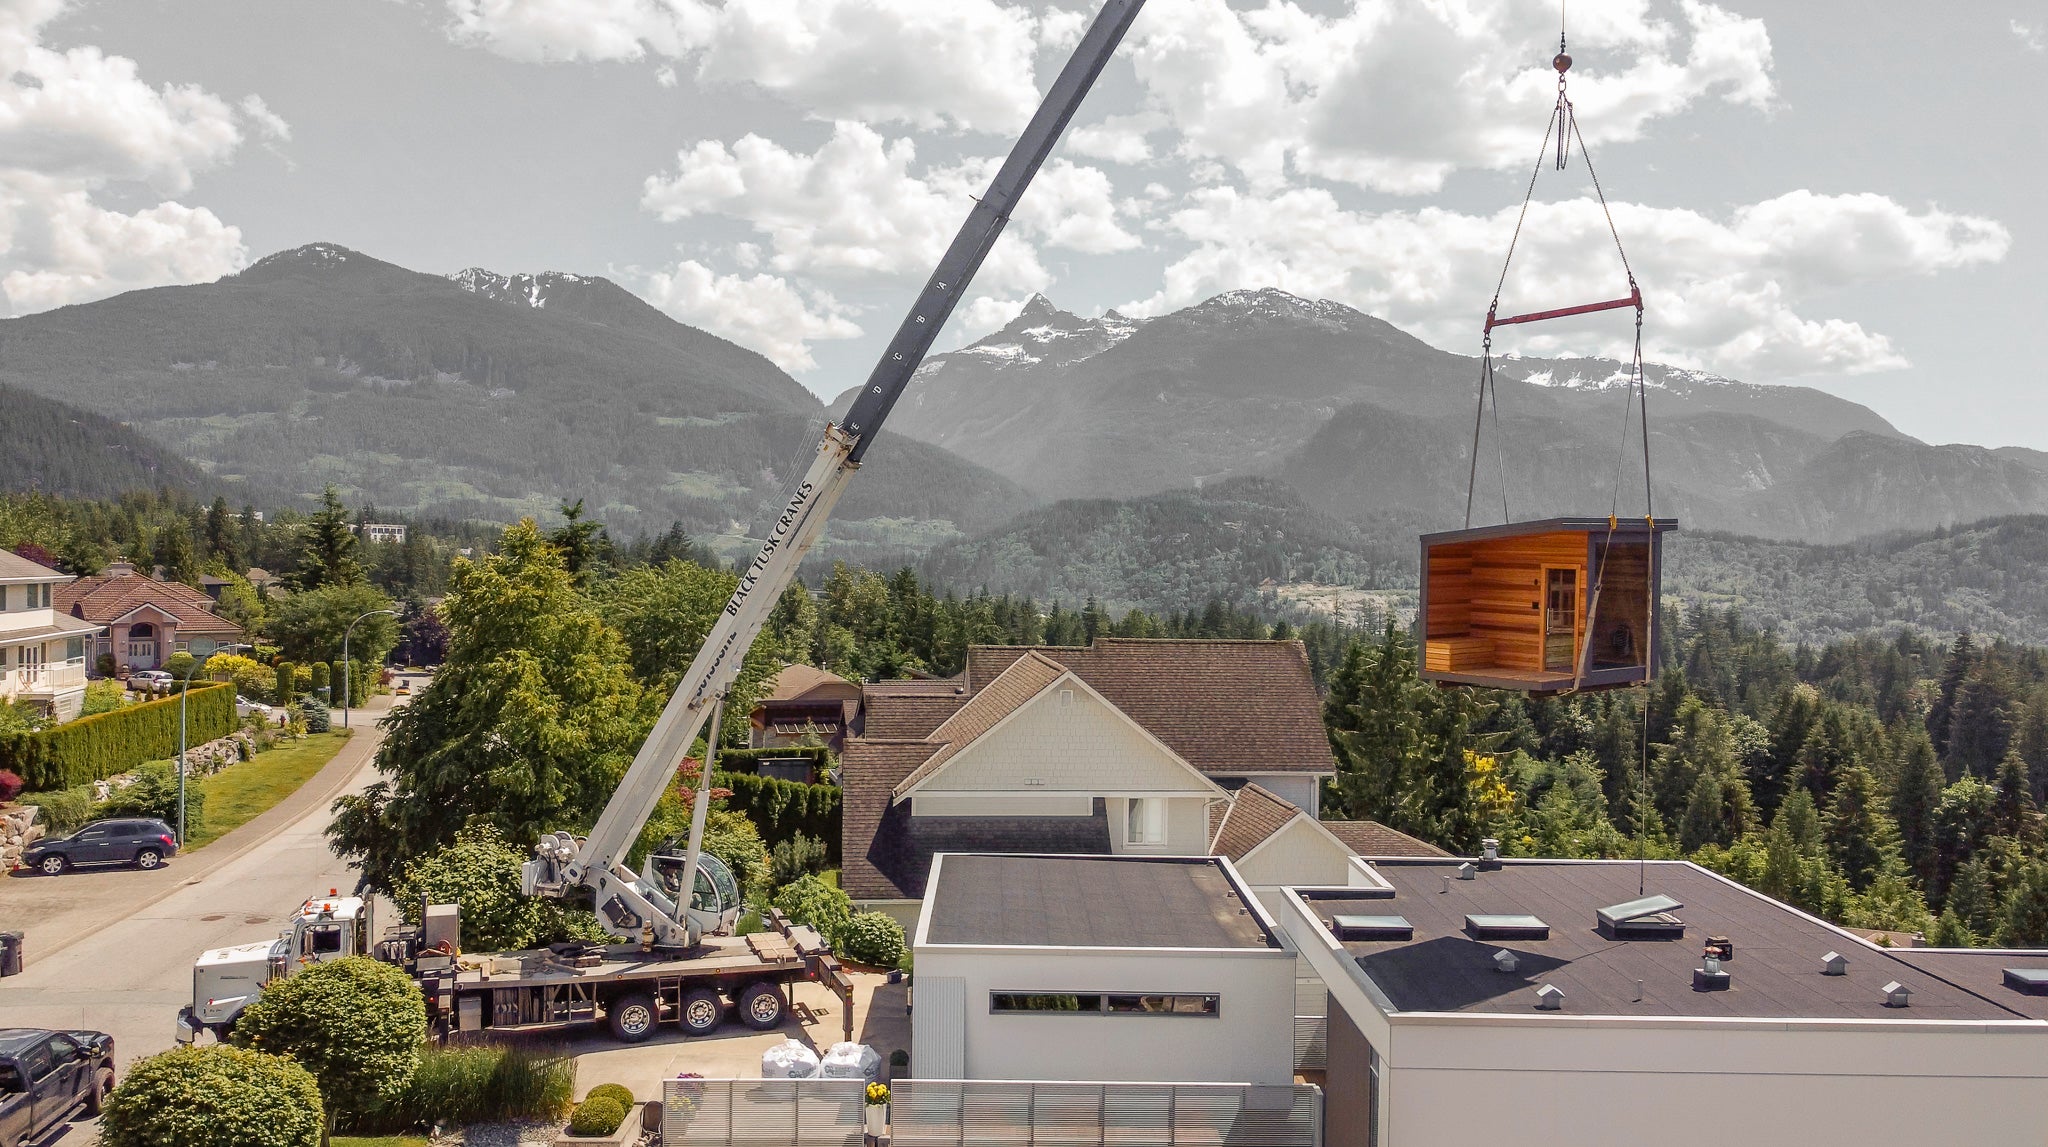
{"x":634,"y":989}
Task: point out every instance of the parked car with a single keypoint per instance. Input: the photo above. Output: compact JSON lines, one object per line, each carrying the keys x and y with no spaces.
{"x":47,"y":1076}
{"x":150,"y":681}
{"x":404,"y":688}
{"x":142,"y":842}
{"x":245,"y":708}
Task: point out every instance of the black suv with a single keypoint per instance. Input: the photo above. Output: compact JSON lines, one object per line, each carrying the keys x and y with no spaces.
{"x":45,"y":1076}
{"x":144,"y":843}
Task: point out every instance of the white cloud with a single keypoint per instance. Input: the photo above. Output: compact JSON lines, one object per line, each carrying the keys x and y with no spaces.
{"x":2029,"y":36}
{"x":966,"y":63}
{"x":1398,"y":94}
{"x":762,"y":311}
{"x":859,"y":206}
{"x":1725,"y":294}
{"x":73,"y":122}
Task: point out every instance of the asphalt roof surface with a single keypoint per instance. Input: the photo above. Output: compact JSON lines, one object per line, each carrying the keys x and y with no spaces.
{"x":1089,"y":902}
{"x":1776,"y":971}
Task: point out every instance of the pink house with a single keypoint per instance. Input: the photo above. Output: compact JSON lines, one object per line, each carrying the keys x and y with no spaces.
{"x":146,"y":620}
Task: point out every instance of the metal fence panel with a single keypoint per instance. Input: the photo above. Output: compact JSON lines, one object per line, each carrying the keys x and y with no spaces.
{"x":1311,"y":1043}
{"x":926,"y":1112}
{"x":763,"y":1112}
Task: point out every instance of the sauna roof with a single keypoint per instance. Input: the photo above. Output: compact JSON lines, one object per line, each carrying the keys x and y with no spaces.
{"x":1549,"y":526}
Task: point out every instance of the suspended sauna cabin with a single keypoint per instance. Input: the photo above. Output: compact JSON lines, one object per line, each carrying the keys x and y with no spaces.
{"x":1514,"y":606}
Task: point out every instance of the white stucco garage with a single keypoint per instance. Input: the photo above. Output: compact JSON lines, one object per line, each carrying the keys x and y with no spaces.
{"x":1099,"y":968}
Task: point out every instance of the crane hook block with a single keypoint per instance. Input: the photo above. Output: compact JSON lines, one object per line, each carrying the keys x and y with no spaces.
{"x":1562,"y":63}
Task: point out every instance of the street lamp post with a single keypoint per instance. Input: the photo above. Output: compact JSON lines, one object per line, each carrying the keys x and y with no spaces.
{"x":344,"y":658}
{"x":185,"y":688}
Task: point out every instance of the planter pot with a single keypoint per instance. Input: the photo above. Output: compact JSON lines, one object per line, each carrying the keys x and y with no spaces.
{"x":878,"y":1119}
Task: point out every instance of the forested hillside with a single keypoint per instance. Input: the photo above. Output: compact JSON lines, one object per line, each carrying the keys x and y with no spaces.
{"x":50,"y":446}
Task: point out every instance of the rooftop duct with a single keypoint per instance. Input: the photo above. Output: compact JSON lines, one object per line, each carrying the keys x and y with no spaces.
{"x":1468,"y":871}
{"x":1896,"y":995}
{"x":1506,"y":961}
{"x":1834,"y":964}
{"x":1550,"y":998}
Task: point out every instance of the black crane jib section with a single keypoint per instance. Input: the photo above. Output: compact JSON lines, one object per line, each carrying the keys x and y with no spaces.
{"x":956,"y":270}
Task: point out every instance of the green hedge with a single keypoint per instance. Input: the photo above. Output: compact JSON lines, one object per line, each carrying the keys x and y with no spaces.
{"x":108,"y":744}
{"x":749,"y":760}
{"x":781,"y":809}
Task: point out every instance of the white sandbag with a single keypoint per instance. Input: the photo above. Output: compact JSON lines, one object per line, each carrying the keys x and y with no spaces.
{"x":851,"y":1061}
{"x":789,"y":1059}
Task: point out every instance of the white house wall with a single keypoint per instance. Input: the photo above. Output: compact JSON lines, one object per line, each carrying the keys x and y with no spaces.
{"x":1796,"y":1085}
{"x":1250,"y":1041}
{"x":1301,"y":855}
{"x":1187,"y":828}
{"x":1073,"y":745}
{"x":1298,"y":789}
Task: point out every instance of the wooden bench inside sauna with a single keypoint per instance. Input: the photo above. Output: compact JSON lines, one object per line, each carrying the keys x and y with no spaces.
{"x":1511,"y":607}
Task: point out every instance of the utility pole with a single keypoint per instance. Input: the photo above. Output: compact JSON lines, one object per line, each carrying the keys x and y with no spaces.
{"x":344,"y":658}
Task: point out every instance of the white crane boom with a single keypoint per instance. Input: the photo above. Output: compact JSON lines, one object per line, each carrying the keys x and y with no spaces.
{"x":638,"y":906}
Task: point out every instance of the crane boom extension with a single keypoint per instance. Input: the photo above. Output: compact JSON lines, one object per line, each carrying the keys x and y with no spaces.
{"x":627,"y":904}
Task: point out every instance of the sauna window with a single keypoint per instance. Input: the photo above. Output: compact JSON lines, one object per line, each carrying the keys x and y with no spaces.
{"x":1616,"y":640}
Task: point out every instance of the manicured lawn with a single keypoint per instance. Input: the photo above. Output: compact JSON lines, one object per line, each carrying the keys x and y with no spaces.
{"x":380,"y":1141}
{"x":240,"y":793}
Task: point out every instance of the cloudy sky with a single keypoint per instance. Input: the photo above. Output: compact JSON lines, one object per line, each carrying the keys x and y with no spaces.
{"x":1817,"y":191}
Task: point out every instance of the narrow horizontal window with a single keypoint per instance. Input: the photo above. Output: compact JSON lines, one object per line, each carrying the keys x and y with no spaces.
{"x":1103,"y":1003}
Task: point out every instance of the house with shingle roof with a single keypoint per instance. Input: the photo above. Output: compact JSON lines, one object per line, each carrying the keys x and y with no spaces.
{"x":146,"y":620}
{"x":1124,"y":747}
{"x":802,"y":701}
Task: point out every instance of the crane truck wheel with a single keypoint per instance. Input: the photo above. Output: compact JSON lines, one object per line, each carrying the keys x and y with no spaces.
{"x":761,"y":1006}
{"x":702,"y":1010}
{"x":632,"y":1017}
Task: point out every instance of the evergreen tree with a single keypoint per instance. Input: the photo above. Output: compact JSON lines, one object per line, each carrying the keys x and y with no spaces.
{"x":174,"y":553}
{"x":1951,"y":932}
{"x":579,"y":541}
{"x":222,"y":543}
{"x":1801,"y":822}
{"x":1964,"y":822}
{"x":2023,"y":918}
{"x":1826,"y":754}
{"x":1789,"y":726}
{"x":1701,"y":824}
{"x":1980,"y":722}
{"x":1916,"y":793}
{"x":2012,"y":806}
{"x":1855,"y":830}
{"x":327,"y":548}
{"x":1962,"y":661}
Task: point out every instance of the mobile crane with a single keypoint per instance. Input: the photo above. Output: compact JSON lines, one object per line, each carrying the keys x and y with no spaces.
{"x":676,"y":963}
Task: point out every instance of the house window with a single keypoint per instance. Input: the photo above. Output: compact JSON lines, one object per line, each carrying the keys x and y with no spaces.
{"x":74,"y":649}
{"x":1103,"y":1004}
{"x":1145,"y":821}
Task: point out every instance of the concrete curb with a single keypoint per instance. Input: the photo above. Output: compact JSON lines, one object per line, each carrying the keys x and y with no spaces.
{"x":325,"y":785}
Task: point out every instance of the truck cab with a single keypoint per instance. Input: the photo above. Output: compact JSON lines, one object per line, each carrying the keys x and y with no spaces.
{"x":225,"y":980}
{"x":45,"y":1076}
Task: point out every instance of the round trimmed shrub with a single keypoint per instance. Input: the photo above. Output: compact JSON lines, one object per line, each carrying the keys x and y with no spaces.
{"x":618,"y":1091}
{"x":596,"y":1116}
{"x":214,"y":1096}
{"x":872,"y":938}
{"x":357,"y":1024}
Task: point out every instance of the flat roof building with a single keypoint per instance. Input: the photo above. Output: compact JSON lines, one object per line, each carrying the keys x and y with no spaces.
{"x":1567,"y":1002}
{"x":1133,"y":968}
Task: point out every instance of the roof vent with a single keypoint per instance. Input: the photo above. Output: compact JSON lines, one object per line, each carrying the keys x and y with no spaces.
{"x":1489,"y":854}
{"x":1896,"y":994}
{"x":1506,"y":928}
{"x":1650,"y":918}
{"x":1506,"y":961}
{"x":1834,"y":964}
{"x":1549,"y":998}
{"x":1372,"y":928}
{"x":2029,"y":981}
{"x":1468,"y":871}
{"x":1709,"y":977}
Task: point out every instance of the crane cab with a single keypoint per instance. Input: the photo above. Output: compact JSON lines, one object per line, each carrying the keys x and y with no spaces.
{"x":715,"y":906}
{"x":1542,"y":607}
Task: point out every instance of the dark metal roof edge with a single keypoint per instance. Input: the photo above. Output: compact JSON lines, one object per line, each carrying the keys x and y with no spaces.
{"x":1622,"y":526}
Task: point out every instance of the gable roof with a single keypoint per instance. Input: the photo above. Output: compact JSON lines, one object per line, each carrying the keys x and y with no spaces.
{"x":1371,"y":838}
{"x":1254,"y":816}
{"x":1192,"y":696}
{"x":793,"y":682}
{"x":1025,"y":678}
{"x":105,"y":600}
{"x":14,"y":567}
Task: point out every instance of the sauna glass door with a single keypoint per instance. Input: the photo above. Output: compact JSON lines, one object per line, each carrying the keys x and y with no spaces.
{"x":1560,"y":619}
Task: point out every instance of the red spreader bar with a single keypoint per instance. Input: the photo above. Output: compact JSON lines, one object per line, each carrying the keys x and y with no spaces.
{"x":1634,"y":299}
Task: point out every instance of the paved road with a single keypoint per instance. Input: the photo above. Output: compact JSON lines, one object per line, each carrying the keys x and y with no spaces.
{"x":115,"y":955}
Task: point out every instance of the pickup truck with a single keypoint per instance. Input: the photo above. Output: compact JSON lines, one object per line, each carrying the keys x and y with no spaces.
{"x":46,"y":1076}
